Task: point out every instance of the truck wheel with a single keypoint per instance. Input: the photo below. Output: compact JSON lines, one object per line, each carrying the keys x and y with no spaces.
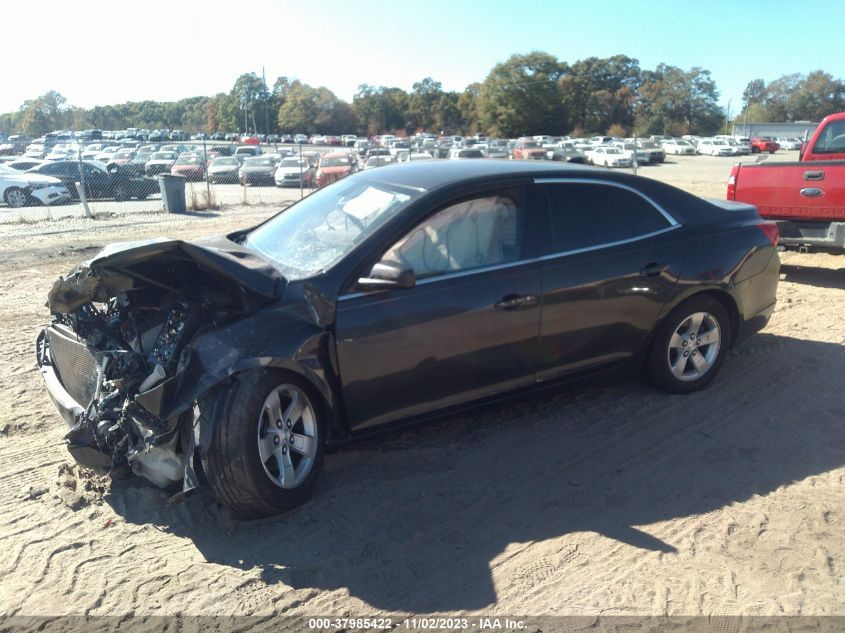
{"x":690,"y":345}
{"x":755,"y":150}
{"x":267,"y":448}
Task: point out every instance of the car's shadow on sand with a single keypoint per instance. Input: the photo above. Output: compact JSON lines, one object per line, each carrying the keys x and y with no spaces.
{"x":412,"y":522}
{"x":814,"y":276}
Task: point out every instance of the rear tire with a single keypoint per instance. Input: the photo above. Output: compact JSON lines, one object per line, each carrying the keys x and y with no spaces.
{"x":16,"y":197}
{"x":259,"y":464}
{"x":681,"y":363}
{"x":120,"y":193}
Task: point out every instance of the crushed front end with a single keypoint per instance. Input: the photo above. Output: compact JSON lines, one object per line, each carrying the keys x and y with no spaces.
{"x":116,"y":356}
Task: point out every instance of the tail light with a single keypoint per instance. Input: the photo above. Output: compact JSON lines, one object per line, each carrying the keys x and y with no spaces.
{"x":770,"y":229}
{"x":732,"y":182}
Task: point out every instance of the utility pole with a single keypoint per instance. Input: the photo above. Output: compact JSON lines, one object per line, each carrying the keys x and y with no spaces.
{"x":266,"y":92}
{"x":745,"y":125}
{"x":634,"y":162}
{"x":727,"y":115}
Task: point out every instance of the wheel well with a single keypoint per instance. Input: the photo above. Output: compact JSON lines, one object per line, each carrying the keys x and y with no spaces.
{"x":316,"y":393}
{"x":729,"y":304}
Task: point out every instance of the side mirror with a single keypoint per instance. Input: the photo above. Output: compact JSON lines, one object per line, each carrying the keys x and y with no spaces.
{"x":386,"y":275}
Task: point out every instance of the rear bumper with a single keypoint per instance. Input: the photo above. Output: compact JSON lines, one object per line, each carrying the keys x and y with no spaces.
{"x":754,"y":323}
{"x":824,"y":235}
{"x":756,"y":296}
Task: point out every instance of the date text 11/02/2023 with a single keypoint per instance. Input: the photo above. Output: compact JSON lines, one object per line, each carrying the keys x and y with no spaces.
{"x":420,"y":623}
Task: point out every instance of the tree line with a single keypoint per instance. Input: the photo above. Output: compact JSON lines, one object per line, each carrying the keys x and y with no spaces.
{"x":529,"y":94}
{"x":793,"y":97}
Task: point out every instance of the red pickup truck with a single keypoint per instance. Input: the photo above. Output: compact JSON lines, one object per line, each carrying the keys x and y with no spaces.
{"x":805,"y":198}
{"x":764,"y":145}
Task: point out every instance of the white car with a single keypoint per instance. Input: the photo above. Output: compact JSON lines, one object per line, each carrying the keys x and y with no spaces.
{"x":35,"y":151}
{"x":63,"y":152}
{"x":789,"y":143}
{"x":678,"y":147}
{"x":398,"y":145}
{"x":24,"y":189}
{"x":107,"y":153}
{"x":739,"y":148}
{"x":607,"y":156}
{"x":378,"y":161}
{"x":714,"y":147}
{"x":293,"y":171}
{"x":90,"y":152}
{"x":404,"y":157}
{"x":629,"y":149}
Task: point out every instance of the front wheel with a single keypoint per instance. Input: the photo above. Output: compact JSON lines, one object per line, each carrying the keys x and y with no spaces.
{"x":690,"y":345}
{"x":267,"y":447}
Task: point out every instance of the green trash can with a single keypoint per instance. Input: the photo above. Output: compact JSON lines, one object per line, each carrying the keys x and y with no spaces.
{"x":172,"y":192}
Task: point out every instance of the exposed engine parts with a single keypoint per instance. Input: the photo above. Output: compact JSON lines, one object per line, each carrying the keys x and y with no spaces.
{"x":117,"y":355}
{"x":135,"y":347}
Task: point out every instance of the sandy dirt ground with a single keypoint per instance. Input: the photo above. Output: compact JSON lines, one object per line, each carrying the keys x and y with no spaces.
{"x":603,"y":500}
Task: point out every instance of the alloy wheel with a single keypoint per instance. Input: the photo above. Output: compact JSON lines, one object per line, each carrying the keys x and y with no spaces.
{"x":16,"y":198}
{"x":694,"y":346}
{"x":287,"y":436}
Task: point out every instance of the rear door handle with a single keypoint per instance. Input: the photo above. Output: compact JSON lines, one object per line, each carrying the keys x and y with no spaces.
{"x":653,"y":270}
{"x":813,"y":175}
{"x":515,"y":302}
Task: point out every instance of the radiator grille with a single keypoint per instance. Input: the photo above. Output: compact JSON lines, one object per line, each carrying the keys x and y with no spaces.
{"x":74,"y":363}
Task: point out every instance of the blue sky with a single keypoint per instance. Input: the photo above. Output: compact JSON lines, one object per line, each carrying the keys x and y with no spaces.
{"x":100,"y":52}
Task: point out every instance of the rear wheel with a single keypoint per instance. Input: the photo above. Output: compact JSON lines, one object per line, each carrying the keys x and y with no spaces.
{"x":120,"y":192}
{"x":267,"y":448}
{"x":16,"y":197}
{"x":690,"y":345}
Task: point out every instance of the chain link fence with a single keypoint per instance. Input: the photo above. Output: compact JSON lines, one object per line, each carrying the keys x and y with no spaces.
{"x":91,"y":178}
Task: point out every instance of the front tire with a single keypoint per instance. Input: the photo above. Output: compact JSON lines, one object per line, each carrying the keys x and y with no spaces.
{"x":267,"y":449}
{"x":690,"y":345}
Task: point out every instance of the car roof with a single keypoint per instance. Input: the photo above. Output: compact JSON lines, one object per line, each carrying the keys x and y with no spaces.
{"x":431,"y":175}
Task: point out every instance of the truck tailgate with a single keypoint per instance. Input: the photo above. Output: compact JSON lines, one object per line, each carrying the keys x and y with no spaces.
{"x":794,"y":191}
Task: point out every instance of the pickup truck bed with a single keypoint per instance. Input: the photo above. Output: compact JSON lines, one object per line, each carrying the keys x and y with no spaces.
{"x":807,"y":199}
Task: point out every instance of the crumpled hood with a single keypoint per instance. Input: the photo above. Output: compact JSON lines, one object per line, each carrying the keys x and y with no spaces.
{"x":119,"y":266}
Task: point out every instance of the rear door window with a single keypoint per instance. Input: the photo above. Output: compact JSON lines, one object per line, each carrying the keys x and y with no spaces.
{"x":588,"y":215}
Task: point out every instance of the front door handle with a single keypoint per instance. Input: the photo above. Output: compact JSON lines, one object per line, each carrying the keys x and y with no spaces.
{"x":516,"y":302}
{"x":653,"y":270}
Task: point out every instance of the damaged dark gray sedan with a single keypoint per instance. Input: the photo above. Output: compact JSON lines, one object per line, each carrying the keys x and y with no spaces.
{"x":392,"y":295}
